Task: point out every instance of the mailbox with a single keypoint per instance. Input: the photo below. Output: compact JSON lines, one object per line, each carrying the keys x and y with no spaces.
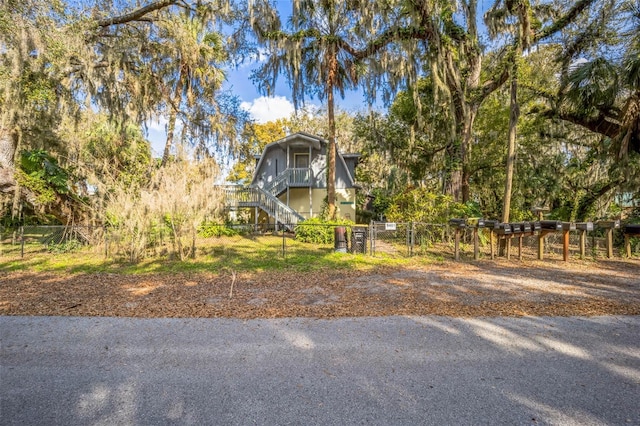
{"x":584,"y":226}
{"x":517,"y":228}
{"x":476,"y":222}
{"x":458,"y":223}
{"x":491,"y":224}
{"x":608,"y":224}
{"x":632,"y":229}
{"x":568,"y":226}
{"x":522,"y":226}
{"x":503,"y":229}
{"x":552,"y":225}
{"x":535,"y":226}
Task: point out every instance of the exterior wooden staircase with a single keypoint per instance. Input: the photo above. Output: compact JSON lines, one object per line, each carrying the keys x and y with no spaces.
{"x":266,"y":198}
{"x":237,"y":197}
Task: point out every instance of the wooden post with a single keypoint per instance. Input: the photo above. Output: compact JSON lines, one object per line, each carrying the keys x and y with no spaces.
{"x":565,"y":245}
{"x":583,"y":243}
{"x":476,"y":251}
{"x":456,"y":249}
{"x":508,"y":246}
{"x":610,"y":243}
{"x":520,"y":247}
{"x":541,"y":245}
{"x":491,"y":242}
{"x":627,"y":245}
{"x":541,"y":236}
{"x":255,"y":215}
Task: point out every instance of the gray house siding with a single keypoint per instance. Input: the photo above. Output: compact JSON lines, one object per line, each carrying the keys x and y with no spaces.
{"x":274,"y":161}
{"x":292,"y":196}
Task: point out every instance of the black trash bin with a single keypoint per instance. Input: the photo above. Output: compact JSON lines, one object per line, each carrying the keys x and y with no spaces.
{"x":359,"y":239}
{"x":340,"y":239}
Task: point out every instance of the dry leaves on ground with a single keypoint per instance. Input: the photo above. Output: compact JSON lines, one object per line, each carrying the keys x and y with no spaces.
{"x":487,"y":288}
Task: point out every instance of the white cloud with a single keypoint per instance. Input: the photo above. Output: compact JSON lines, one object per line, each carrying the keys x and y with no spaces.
{"x":255,"y":58}
{"x":158,"y":123}
{"x":265,"y":109}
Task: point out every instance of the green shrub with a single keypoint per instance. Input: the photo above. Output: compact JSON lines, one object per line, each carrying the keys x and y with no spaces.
{"x":420,"y":205}
{"x":68,"y":246}
{"x":318,"y":231}
{"x":212,"y":229}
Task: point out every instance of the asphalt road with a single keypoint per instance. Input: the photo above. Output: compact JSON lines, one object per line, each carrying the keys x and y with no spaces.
{"x":384,"y":371}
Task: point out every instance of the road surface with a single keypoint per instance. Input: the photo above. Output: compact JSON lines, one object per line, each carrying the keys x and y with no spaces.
{"x":379,"y":371}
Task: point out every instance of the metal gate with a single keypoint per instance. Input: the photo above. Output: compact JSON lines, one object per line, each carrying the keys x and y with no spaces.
{"x":390,"y":238}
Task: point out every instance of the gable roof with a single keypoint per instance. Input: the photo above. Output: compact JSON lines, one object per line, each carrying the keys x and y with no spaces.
{"x":297,"y":139}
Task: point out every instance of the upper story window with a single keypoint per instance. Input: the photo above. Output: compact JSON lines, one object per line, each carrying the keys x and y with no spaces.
{"x":301,"y":161}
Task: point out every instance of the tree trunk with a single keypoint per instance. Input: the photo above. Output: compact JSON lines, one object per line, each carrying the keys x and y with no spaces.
{"x":331,"y":152}
{"x":465,"y":151}
{"x":7,"y":162}
{"x":173,"y":116}
{"x":511,"y":149}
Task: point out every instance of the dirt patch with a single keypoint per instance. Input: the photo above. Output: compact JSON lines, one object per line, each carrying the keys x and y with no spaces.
{"x":487,"y":288}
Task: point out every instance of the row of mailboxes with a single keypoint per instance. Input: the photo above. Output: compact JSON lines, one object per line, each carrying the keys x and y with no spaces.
{"x":501,"y":228}
{"x":520,"y":229}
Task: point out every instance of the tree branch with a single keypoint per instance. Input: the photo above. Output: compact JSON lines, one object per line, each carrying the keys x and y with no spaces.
{"x":561,"y":23}
{"x":600,"y":124}
{"x":137,"y":14}
{"x":387,"y":37}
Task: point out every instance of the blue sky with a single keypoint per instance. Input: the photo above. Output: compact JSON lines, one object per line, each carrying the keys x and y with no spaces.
{"x":261,"y":107}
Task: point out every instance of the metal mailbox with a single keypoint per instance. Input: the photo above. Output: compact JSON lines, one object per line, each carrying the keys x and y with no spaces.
{"x":535,"y":226}
{"x":517,"y":228}
{"x":584,"y":226}
{"x":524,"y":226}
{"x":475,"y":222}
{"x":608,"y":224}
{"x":503,"y":229}
{"x":632,"y":229}
{"x":568,"y":226}
{"x":458,"y":223}
{"x":491,"y":224}
{"x":552,"y":225}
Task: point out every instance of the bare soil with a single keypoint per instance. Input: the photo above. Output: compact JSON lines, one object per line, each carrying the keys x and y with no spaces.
{"x":486,"y":288}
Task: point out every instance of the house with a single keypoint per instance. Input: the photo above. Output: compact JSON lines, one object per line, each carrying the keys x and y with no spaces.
{"x":289,"y":182}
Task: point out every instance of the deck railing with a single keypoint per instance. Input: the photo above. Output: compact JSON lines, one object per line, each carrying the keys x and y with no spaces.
{"x":296,"y":177}
{"x":300,"y":177}
{"x":237,"y":196}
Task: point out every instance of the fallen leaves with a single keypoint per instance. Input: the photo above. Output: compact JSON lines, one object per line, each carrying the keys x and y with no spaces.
{"x":447,"y":289}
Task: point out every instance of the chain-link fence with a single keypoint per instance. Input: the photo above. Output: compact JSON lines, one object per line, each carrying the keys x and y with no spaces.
{"x":26,"y":241}
{"x":304,"y":241}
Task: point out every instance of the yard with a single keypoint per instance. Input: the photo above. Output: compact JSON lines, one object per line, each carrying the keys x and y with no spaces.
{"x":338,"y":285}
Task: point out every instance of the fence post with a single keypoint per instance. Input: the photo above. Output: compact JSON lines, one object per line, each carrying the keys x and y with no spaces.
{"x":476,"y":243}
{"x":106,"y":243}
{"x":372,"y":237}
{"x":413,"y":238}
{"x":22,"y":241}
{"x":283,"y":242}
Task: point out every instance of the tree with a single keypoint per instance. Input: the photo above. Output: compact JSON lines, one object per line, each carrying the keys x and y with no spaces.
{"x":322,"y":52}
{"x":197,"y":76}
{"x":257,"y":136}
{"x":521,"y":31}
{"x":599,"y":91}
{"x":462,"y":80}
{"x":57,"y":60}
